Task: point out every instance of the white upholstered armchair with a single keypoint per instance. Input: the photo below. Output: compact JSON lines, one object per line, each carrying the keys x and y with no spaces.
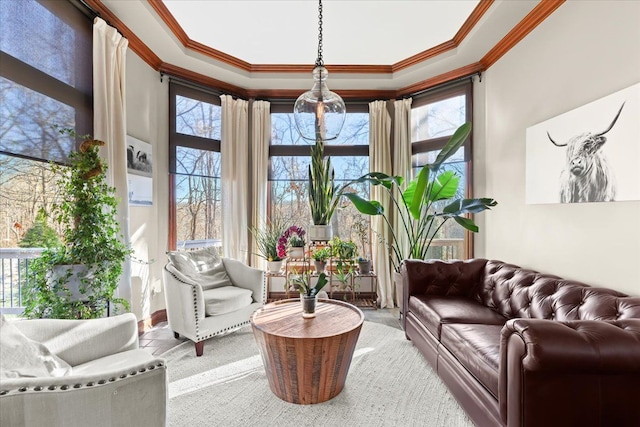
{"x":207,"y":295}
{"x":79,"y":373}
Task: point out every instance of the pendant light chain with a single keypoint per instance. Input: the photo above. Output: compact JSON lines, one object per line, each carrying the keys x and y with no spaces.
{"x":319,"y":61}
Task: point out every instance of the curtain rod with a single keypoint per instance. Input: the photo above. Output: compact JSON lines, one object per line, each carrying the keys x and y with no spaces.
{"x":91,"y":13}
{"x":445,"y":85}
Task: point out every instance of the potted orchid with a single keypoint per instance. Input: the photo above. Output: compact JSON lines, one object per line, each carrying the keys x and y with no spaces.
{"x":291,"y":242}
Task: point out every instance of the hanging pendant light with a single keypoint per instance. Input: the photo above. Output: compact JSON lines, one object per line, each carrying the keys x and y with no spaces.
{"x":319,"y":113}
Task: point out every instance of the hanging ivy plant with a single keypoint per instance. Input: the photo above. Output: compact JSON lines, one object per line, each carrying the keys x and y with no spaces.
{"x":92,"y":238}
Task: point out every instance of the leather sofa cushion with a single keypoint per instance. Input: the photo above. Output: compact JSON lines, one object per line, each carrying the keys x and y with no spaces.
{"x":435,"y":310}
{"x":477,"y":348}
{"x":226,"y":299}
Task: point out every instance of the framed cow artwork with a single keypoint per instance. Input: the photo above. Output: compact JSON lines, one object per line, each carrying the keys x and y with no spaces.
{"x":139,"y":172}
{"x":589,"y":154}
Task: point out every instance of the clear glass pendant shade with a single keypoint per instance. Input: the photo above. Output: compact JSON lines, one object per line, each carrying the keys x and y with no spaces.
{"x":319,"y":113}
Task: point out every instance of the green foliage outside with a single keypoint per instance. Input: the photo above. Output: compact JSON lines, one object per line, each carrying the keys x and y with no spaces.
{"x":40,"y":235}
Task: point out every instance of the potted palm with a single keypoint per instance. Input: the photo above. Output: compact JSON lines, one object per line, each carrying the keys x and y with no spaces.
{"x":426,"y":203}
{"x":78,"y":278}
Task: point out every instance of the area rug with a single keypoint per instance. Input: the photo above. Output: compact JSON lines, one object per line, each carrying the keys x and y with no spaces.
{"x":389,"y":384}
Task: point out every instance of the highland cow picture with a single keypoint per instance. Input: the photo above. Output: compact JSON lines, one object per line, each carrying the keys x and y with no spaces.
{"x":589,"y":154}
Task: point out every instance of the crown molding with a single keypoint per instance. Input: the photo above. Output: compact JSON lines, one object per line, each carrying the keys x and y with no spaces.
{"x":468,"y":25}
{"x":517,"y":33}
{"x":169,"y":20}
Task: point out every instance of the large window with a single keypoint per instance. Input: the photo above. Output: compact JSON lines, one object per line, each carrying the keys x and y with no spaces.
{"x":194,"y":165}
{"x":434,"y":118}
{"x":45,"y":81}
{"x":289,"y":165}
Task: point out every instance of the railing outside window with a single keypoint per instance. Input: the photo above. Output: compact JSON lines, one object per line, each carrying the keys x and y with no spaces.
{"x":13,"y":276}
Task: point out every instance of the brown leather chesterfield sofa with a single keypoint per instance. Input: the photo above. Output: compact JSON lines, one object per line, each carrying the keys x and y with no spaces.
{"x":521,"y":348}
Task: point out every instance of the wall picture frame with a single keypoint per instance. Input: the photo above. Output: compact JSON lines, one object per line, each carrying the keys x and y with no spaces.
{"x":588,"y":154}
{"x":139,"y":172}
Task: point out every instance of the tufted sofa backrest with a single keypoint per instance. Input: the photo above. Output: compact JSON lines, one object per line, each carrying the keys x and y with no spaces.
{"x":437,"y":277}
{"x":516,"y":292}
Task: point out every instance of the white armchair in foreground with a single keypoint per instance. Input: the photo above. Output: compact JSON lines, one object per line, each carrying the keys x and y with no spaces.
{"x":206,"y":297}
{"x":111,"y":383}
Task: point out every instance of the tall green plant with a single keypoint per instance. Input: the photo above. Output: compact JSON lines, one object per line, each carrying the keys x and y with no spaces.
{"x":323,"y":193}
{"x":91,"y":236}
{"x":419,"y":205}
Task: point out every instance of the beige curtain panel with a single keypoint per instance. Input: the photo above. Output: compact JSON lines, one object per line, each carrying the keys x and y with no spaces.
{"x":234,"y":153}
{"x":401,"y":161}
{"x":260,"y":138}
{"x":110,"y":123}
{"x":380,"y":161}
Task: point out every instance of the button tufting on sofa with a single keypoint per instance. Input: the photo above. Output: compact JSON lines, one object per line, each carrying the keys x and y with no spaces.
{"x":571,"y":342}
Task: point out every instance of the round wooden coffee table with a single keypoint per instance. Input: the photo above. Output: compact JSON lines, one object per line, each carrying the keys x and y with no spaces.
{"x":307,"y":360}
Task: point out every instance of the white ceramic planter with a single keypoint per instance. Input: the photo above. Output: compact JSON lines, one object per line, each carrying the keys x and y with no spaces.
{"x":76,"y":273}
{"x":364,"y":267}
{"x":320,"y":233}
{"x":274,"y":266}
{"x":295,"y":252}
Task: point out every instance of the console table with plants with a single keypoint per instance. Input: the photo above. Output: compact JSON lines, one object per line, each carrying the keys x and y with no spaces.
{"x":346,"y":282}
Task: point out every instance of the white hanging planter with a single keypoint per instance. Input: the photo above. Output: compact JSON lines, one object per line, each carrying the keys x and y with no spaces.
{"x":73,"y":282}
{"x":320,"y":233}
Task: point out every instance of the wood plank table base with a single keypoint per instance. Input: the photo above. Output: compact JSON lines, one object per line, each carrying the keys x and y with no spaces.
{"x":307,"y":360}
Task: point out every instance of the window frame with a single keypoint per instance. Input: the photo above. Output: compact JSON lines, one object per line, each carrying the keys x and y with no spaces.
{"x":463,"y":87}
{"x":176,"y":88}
{"x":304,"y":150}
{"x":30,"y":77}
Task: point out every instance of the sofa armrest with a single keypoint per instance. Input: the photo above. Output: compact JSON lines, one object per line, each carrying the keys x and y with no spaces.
{"x":584,"y":372}
{"x":111,"y":397}
{"x":79,"y":341}
{"x":246,"y":277}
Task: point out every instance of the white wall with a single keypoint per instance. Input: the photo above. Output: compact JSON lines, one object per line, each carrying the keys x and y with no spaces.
{"x":582,"y":52}
{"x":147,"y":115}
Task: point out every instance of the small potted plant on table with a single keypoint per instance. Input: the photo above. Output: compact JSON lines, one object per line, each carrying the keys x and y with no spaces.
{"x":309,"y":292}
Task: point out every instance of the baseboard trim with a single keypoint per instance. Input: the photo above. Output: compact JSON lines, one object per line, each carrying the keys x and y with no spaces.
{"x":148,"y":323}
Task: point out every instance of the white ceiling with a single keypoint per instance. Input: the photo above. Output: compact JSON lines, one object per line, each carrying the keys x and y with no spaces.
{"x":354,"y":32}
{"x":370,"y":32}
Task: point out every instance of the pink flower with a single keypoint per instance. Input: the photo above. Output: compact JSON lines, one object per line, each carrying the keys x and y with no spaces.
{"x":284,"y":239}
